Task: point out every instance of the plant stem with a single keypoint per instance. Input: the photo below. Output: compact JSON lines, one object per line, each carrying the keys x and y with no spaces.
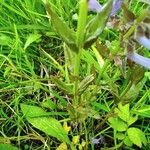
{"x":76,"y":75}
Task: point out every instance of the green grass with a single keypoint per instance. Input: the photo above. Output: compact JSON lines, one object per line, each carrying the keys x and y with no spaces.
{"x":36,"y":70}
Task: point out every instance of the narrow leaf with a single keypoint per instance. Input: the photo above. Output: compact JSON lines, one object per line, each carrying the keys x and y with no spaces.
{"x":62,"y":85}
{"x":97,"y":24}
{"x":85,"y":83}
{"x":62,"y":29}
{"x":83,"y":9}
{"x":32,"y":38}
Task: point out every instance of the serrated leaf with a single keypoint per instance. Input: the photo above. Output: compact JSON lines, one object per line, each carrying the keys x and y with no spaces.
{"x":97,"y":24}
{"x":62,"y":29}
{"x":7,"y":147}
{"x":132,"y":120}
{"x":117,"y":124}
{"x":123,"y":112}
{"x":128,"y":142}
{"x":31,"y":38}
{"x":48,"y":125}
{"x":136,"y":136}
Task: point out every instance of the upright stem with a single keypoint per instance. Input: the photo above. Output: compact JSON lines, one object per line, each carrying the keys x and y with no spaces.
{"x":76,"y":74}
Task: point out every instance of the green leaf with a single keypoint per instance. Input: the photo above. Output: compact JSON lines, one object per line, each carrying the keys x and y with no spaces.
{"x":62,"y":85}
{"x":5,"y":40}
{"x":85,"y":83}
{"x":83,"y":9}
{"x":49,"y":104}
{"x":131,"y":94}
{"x":137,"y":75}
{"x":128,"y":142}
{"x":132,"y":120}
{"x":136,"y":136}
{"x":62,"y":29}
{"x":123,"y":112}
{"x":145,"y":1}
{"x":48,"y":125}
{"x":120,"y":135}
{"x":32,"y":38}
{"x":117,"y":124}
{"x":128,"y":15}
{"x":7,"y":147}
{"x":143,"y":111}
{"x":97,"y":24}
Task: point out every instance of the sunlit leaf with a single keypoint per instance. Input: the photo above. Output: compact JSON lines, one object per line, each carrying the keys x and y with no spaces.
{"x":62,"y":146}
{"x":117,"y":124}
{"x":123,"y":112}
{"x":128,"y":142}
{"x":132,"y":120}
{"x":136,"y":136}
{"x":120,"y":135}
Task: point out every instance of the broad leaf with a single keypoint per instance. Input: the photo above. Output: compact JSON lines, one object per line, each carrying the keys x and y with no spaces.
{"x":123,"y":112}
{"x":44,"y":123}
{"x":132,"y":120}
{"x":136,"y":136}
{"x":97,"y":24}
{"x":117,"y":124}
{"x":62,"y":29}
{"x":128,"y":142}
{"x":120,"y":135}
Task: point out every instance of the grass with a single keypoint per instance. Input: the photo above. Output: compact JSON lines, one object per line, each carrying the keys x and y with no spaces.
{"x":77,"y":104}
